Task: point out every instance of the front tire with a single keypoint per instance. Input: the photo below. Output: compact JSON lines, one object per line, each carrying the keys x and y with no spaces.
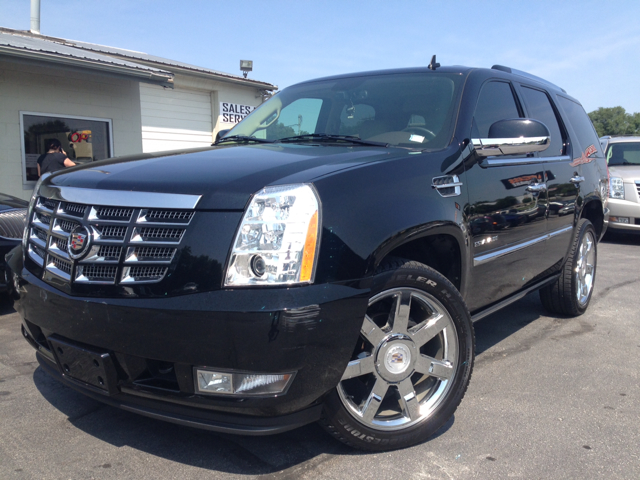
{"x":571,"y":293}
{"x":411,"y":365}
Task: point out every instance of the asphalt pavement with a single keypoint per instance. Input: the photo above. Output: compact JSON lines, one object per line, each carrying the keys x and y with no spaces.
{"x":550,"y":397}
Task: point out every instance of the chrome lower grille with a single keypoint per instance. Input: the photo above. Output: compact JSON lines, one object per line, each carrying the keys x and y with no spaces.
{"x":12,"y":224}
{"x":106,"y":244}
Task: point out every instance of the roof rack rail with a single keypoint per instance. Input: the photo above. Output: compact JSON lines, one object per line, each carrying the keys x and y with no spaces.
{"x":526,"y":75}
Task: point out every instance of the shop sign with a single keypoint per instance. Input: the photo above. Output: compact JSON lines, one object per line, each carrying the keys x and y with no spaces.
{"x":80,"y":136}
{"x":234,"y":112}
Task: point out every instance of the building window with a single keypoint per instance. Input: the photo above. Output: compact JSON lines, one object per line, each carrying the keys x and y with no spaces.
{"x":83,"y":139}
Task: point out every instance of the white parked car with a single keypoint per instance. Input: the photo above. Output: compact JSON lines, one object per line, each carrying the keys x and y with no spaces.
{"x":623,"y":158}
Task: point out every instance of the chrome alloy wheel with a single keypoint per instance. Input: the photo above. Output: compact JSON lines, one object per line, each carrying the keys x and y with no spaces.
{"x":585,"y":268}
{"x":405,"y":362}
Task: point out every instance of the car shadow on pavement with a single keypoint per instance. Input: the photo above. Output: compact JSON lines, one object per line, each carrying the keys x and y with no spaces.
{"x":498,"y":326}
{"x":231,"y":454}
{"x":6,"y":305}
{"x":621,"y":238}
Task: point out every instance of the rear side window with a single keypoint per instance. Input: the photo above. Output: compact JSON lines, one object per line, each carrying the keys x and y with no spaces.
{"x":539,"y":108}
{"x":581,"y":124}
{"x":496,"y":102}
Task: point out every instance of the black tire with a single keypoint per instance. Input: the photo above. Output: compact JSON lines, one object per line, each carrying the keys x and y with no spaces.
{"x":406,"y":298}
{"x":567,"y":295}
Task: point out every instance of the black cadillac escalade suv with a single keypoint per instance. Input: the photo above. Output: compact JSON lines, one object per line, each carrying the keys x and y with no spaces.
{"x":324,"y":260}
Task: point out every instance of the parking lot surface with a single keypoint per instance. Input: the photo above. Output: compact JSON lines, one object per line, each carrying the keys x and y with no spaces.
{"x":549,"y":397}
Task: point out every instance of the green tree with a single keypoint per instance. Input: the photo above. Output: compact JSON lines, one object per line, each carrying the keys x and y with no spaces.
{"x":278,"y":130}
{"x":615,"y":121}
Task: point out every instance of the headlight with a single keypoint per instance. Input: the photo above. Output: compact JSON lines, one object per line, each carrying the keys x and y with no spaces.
{"x":616,"y":188}
{"x":278,"y":239}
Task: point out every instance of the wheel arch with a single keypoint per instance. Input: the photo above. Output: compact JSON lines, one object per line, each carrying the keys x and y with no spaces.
{"x":593,"y":211}
{"x":439,"y":245}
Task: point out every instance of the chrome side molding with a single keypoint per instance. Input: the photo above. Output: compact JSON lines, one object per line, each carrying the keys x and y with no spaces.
{"x":487,"y":257}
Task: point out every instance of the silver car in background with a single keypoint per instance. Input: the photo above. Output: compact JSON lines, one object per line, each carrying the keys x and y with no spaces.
{"x":623,"y":159}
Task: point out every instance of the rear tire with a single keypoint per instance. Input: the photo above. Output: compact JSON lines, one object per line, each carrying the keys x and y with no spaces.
{"x":571,"y":293}
{"x":411,"y":364}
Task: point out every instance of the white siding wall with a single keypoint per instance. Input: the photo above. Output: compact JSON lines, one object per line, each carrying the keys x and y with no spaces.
{"x":51,"y":90}
{"x":174,"y":119}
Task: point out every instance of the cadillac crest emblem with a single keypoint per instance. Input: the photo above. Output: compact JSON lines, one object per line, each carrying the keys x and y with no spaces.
{"x":79,"y":240}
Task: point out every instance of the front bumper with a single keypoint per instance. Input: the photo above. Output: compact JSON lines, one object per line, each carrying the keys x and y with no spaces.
{"x":627,"y":209}
{"x":156,"y":343}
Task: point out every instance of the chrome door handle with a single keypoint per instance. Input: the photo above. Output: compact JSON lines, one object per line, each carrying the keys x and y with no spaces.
{"x":577,"y":179}
{"x":537,"y":187}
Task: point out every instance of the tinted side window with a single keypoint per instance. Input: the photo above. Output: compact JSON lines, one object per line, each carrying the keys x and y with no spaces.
{"x":496,"y":102}
{"x":581,"y":124}
{"x":539,"y":108}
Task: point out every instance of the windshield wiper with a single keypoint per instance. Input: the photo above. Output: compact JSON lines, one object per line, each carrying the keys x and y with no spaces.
{"x":325,"y":137}
{"x":242,"y":138}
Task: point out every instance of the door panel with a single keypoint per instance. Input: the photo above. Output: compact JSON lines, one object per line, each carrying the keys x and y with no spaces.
{"x":506,"y":213}
{"x":507,"y":227}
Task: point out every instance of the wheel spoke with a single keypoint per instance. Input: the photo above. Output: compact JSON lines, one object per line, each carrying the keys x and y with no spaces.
{"x":371,"y":331}
{"x":429,"y":329}
{"x":435,"y":368}
{"x":408,"y":399}
{"x":400,"y":312}
{"x":374,"y":400}
{"x":360,"y":366}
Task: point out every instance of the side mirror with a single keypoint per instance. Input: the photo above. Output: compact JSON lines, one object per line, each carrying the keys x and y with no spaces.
{"x":518,"y":136}
{"x":220,"y":134}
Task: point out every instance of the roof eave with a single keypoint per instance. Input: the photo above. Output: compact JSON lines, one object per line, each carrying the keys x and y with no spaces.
{"x":210,"y":75}
{"x":158,"y":78}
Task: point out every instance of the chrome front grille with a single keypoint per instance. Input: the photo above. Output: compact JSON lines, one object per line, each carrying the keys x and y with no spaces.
{"x":12,"y":224}
{"x":111,"y":213}
{"x":638,"y":187}
{"x":66,"y":225}
{"x":111,"y":232}
{"x":40,"y":234}
{"x":126,"y":244}
{"x":74,"y":209}
{"x":166,"y":216}
{"x":163,"y":235}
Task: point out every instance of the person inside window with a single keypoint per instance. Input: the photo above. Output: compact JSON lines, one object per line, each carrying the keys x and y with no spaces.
{"x":55,"y":159}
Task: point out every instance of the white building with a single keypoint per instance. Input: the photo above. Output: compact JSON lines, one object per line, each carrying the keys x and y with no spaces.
{"x":103,"y":102}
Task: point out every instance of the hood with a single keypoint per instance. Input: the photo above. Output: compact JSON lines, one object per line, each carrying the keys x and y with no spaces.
{"x":226,"y":176}
{"x":7,"y":202}
{"x":629,"y":173}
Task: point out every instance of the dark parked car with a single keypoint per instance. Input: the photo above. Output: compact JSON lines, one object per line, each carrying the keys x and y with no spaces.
{"x":13,"y":212}
{"x":324,"y":260}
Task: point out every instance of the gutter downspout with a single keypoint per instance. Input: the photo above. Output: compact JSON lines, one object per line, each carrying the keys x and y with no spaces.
{"x":35,"y":16}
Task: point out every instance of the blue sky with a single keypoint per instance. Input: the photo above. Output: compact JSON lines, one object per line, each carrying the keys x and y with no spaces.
{"x":592,"y":49}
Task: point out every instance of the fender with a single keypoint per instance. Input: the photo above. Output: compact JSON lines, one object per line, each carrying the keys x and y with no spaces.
{"x":443,"y":227}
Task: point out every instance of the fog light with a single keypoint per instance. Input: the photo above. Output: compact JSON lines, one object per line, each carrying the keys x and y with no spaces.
{"x":227,"y":383}
{"x":619,"y":219}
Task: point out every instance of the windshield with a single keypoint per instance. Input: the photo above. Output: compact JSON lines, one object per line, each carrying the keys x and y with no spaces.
{"x":624,"y":153}
{"x":414,"y":110}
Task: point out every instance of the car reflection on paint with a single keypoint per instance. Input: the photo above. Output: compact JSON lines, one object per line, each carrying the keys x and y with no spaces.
{"x":570,"y":207}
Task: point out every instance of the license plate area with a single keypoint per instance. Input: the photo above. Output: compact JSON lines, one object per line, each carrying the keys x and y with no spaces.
{"x":96,"y":369}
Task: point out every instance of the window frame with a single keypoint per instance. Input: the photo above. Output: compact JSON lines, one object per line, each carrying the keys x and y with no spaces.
{"x":29,"y":184}
{"x":575,"y":137}
{"x":566,"y":144}
{"x":516,"y":98}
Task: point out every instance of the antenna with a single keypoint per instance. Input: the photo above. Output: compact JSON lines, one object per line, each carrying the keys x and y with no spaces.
{"x":433,"y":65}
